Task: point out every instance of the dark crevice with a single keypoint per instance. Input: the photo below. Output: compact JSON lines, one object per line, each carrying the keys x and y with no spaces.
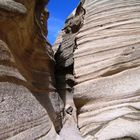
{"x":65,"y":62}
{"x":64,"y":55}
{"x":117,"y":70}
{"x":64,"y":68}
{"x":124,"y":138}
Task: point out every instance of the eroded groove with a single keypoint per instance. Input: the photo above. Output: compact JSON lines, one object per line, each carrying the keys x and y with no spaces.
{"x":12,"y":79}
{"x":118,"y":70}
{"x":7,"y":63}
{"x":125,"y":138}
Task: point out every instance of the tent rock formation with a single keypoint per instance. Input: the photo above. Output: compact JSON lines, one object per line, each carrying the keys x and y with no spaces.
{"x":88,"y":88}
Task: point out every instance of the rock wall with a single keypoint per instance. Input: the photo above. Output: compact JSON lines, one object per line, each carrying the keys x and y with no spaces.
{"x":106,"y":69}
{"x":88,"y":90}
{"x":64,"y":71}
{"x":30,"y":107}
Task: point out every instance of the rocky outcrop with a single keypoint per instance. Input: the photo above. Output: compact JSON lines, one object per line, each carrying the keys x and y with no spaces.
{"x":104,"y":52}
{"x":30,"y":107}
{"x":88,"y":90}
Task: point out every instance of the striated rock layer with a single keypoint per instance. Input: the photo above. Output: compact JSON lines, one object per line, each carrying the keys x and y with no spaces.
{"x":30,"y":107}
{"x":95,"y":71}
{"x":106,"y":68}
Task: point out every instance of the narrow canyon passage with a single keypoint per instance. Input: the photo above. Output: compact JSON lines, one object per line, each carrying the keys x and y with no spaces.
{"x":84,"y":87}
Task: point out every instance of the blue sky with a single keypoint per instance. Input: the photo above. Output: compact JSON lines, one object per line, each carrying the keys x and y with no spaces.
{"x":59,"y":10}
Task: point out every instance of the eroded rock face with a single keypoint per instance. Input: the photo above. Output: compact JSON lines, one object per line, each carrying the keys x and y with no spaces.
{"x":64,"y":71}
{"x":106,"y":68}
{"x":29,"y":104}
{"x":96,"y":72}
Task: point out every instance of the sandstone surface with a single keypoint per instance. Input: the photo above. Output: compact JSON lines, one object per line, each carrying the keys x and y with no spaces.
{"x":106,"y":69}
{"x":89,"y":89}
{"x":29,"y":104}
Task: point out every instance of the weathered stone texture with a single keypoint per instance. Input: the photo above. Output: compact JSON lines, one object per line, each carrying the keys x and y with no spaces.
{"x":64,"y":72}
{"x":95,"y":70}
{"x":57,"y":42}
{"x":29,"y":104}
{"x":107,"y":70}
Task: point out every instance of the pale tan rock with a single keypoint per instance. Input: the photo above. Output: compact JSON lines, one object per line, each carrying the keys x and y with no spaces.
{"x":107,"y":69}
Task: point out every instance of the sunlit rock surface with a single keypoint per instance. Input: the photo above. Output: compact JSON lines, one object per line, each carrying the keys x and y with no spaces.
{"x":106,"y":69}
{"x":90,"y":88}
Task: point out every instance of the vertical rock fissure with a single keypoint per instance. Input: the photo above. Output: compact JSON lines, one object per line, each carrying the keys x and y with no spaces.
{"x":64,"y":68}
